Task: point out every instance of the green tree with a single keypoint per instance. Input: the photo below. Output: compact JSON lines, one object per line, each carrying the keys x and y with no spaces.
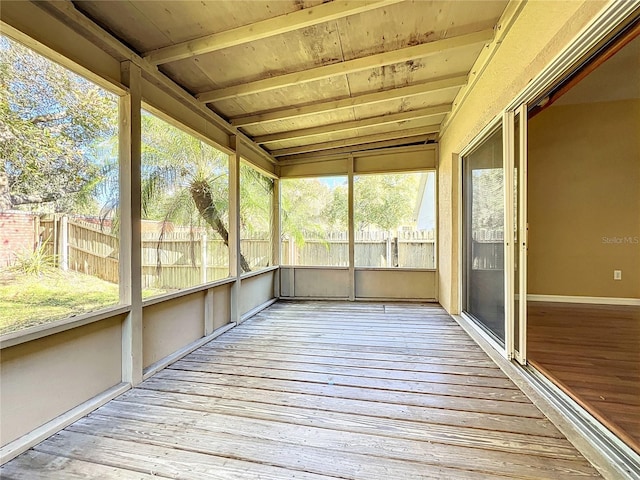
{"x":184,"y":180}
{"x":304,"y":208}
{"x":51,"y":122}
{"x":381,"y":202}
{"x":488,"y":199}
{"x":336,"y":212}
{"x":385,"y":201}
{"x":256,"y":200}
{"x":256,"y":196}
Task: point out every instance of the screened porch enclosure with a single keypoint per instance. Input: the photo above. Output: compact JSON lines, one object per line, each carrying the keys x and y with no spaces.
{"x":319,"y":239}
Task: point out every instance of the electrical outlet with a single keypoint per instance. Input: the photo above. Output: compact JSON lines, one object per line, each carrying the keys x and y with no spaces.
{"x":617,"y":274}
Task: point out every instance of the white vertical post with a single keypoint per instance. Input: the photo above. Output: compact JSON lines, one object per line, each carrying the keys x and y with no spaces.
{"x":389,"y":264}
{"x":203,"y":257}
{"x":56,"y":241}
{"x":293,"y":253}
{"x":524,"y":232}
{"x":235,"y":269}
{"x":130,"y":215}
{"x":352,"y":248}
{"x":276,"y":236}
{"x":64,"y":243}
{"x":509,"y":291}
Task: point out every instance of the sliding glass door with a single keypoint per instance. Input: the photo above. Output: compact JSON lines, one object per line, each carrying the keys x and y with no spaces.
{"x":520,"y":226}
{"x":483,"y":241}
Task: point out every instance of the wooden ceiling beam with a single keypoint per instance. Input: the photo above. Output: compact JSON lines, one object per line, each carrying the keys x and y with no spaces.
{"x":355,"y":124}
{"x":378,"y":137}
{"x":356,"y":101}
{"x":344,"y":68}
{"x":330,"y":154}
{"x":67,"y":12}
{"x":270,"y":27}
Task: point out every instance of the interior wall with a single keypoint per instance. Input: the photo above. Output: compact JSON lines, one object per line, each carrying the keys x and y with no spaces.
{"x":541,"y":31}
{"x":584,"y":200}
{"x":45,"y":378}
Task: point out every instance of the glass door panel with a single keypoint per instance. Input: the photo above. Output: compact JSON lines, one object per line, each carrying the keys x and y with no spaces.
{"x":483,"y":242}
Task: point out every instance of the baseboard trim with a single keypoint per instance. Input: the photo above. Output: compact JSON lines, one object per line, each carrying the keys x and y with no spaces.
{"x":24,"y":443}
{"x":587,"y":300}
{"x":177,"y":355}
{"x":324,"y":299}
{"x":258,"y":309}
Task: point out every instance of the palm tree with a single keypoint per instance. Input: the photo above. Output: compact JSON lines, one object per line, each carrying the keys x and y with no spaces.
{"x":184,"y":180}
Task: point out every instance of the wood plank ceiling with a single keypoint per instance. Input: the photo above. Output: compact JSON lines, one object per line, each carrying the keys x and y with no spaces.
{"x":303,"y":77}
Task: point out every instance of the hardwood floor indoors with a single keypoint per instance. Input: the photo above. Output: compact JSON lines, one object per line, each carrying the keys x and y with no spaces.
{"x":592,"y":352}
{"x":313,"y":390}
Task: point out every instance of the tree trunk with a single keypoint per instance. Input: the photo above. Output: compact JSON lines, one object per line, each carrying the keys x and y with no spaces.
{"x":201,"y":194}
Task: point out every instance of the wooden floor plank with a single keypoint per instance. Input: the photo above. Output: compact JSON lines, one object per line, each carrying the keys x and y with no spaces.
{"x":468,"y":436}
{"x":250,"y":356}
{"x":292,"y":457}
{"x":35,"y":465}
{"x":355,"y":338}
{"x":495,"y":421}
{"x":160,"y":461}
{"x":185,"y":428}
{"x":475,"y":391}
{"x":419,"y":399}
{"x":319,"y":390}
{"x":406,"y":359}
{"x":308,"y":345}
{"x":418,"y":336}
{"x":354,"y":371}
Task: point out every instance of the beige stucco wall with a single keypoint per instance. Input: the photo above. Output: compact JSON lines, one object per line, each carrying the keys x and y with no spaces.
{"x":542,"y":30}
{"x":584,"y":200}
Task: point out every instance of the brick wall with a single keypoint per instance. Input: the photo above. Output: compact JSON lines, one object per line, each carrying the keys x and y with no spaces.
{"x":16,"y":234}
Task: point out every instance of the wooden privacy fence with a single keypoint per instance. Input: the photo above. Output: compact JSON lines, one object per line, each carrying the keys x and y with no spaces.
{"x":487,"y":249}
{"x":181,"y":258}
{"x":174,"y":262}
{"x":177,"y":259}
{"x":411,"y":249}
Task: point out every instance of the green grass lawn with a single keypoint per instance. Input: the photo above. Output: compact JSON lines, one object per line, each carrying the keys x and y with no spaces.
{"x":28,"y":300}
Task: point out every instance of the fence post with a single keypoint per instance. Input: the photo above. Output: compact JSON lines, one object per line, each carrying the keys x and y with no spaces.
{"x":64,"y":243}
{"x":203,"y":257}
{"x":388,"y":251}
{"x":396,"y":253}
{"x":37,"y":239}
{"x":56,"y":242}
{"x":292,"y":251}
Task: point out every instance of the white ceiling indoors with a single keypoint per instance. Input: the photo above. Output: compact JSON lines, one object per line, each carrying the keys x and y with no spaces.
{"x":306,"y":77}
{"x":615,"y":79}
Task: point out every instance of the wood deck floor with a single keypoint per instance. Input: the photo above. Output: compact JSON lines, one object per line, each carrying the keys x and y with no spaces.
{"x":318,"y":390}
